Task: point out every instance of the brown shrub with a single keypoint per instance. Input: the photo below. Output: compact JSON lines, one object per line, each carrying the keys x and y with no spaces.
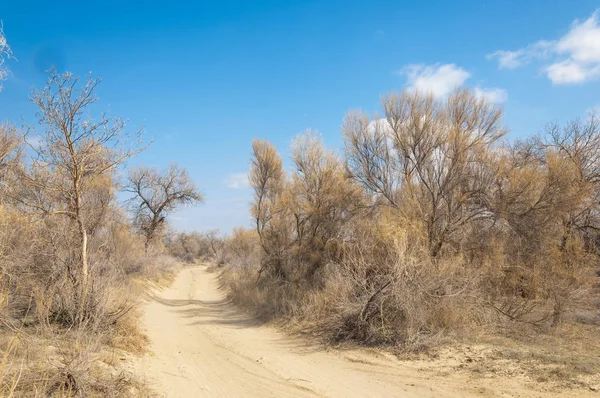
{"x":450,"y":230}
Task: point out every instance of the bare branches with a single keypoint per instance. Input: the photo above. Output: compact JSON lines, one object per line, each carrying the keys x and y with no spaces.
{"x":75,"y":156}
{"x":299,"y":218}
{"x":72,"y":143}
{"x":370,"y":157}
{"x":433,"y":154}
{"x":158,"y":193}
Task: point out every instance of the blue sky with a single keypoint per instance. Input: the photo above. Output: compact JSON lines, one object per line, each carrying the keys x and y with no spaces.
{"x":206,"y":77}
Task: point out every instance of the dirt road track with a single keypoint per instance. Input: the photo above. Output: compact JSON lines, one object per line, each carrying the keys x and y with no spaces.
{"x":204,"y":347}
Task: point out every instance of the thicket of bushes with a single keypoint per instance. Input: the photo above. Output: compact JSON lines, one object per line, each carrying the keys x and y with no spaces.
{"x":429,"y":225}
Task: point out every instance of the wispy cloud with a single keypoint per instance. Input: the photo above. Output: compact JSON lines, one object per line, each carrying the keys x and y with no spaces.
{"x":237,"y":180}
{"x":441,"y":80}
{"x":438,"y":80}
{"x":523,"y":56}
{"x":493,"y":95}
{"x":574,"y":57}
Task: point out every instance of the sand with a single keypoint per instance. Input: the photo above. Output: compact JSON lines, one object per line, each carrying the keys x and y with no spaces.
{"x":202,"y":346}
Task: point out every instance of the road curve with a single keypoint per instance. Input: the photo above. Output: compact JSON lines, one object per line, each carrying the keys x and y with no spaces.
{"x":204,"y":347}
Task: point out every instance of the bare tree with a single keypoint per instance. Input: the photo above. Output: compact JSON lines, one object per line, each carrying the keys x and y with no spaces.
{"x":156,"y":194}
{"x":578,"y":142}
{"x":267,"y":179}
{"x":430,"y":153}
{"x":216,"y":242}
{"x":74,"y":154}
{"x":300,"y":219}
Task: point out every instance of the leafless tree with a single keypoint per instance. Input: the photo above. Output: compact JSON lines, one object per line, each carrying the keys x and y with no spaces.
{"x":298,"y":219}
{"x":75,"y":153}
{"x":430,"y":153}
{"x":156,"y":194}
{"x":215,"y":241}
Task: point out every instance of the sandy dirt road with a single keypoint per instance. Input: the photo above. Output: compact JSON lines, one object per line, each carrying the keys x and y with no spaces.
{"x":204,"y":347}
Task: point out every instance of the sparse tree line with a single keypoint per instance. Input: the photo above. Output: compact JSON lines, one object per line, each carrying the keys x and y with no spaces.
{"x":240,"y":249}
{"x":430,"y":223}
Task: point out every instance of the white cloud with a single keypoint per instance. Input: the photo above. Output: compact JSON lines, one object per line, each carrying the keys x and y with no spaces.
{"x":523,"y":56}
{"x":438,"y":80}
{"x":380,"y":125}
{"x":570,"y":71}
{"x":237,"y":180}
{"x":508,"y":59}
{"x":575,"y":56}
{"x":492,"y":95}
{"x":582,"y":42}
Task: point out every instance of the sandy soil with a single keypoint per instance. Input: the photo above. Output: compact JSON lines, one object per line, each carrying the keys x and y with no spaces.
{"x":204,"y":347}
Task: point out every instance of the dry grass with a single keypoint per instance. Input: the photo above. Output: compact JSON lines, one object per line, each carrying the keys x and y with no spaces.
{"x":558,"y":358}
{"x":46,"y":359}
{"x":565,"y":358}
{"x":398,"y":299}
{"x":63,"y":364}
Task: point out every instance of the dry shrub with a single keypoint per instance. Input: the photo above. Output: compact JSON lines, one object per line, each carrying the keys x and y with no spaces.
{"x":382,"y":291}
{"x":70,"y":260}
{"x":127,"y":334}
{"x":64,"y":364}
{"x":399,"y":297}
{"x":195,"y":247}
{"x":242,"y":248}
{"x":428,"y":228}
{"x":159,"y":267}
{"x":40,"y":285}
{"x":48,"y":353}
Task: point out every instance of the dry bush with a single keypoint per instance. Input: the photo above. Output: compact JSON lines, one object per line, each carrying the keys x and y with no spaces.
{"x":38,"y":282}
{"x":39,"y":306}
{"x":300,"y":220}
{"x":242,"y":248}
{"x":386,"y":290}
{"x":428,"y":228}
{"x":193,"y":247}
{"x":211,"y":246}
{"x":72,"y":268}
{"x":64,"y":364}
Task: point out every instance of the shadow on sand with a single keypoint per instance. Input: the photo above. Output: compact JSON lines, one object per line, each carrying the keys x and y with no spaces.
{"x":209,"y":312}
{"x":224,"y":313}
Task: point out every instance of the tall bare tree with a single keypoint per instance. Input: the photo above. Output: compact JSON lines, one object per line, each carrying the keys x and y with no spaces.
{"x":157,"y":193}
{"x":75,"y":152}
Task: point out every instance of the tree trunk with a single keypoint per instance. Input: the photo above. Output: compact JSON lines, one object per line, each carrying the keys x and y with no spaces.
{"x":83,"y":236}
{"x":83,"y":288}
